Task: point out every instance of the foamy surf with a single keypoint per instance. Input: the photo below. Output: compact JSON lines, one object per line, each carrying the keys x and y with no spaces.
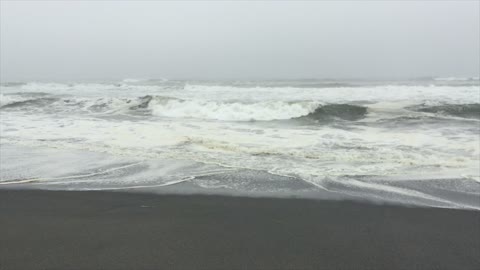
{"x":381,"y":141}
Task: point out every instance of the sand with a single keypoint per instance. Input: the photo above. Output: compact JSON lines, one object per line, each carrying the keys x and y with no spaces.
{"x":113,"y":230}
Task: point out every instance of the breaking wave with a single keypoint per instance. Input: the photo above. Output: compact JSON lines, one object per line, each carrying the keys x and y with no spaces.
{"x":199,"y":109}
{"x":259,"y":111}
{"x":352,"y":137}
{"x":232,"y":111}
{"x":228,"y":110}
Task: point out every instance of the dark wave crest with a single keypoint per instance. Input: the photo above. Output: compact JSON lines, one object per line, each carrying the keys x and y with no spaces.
{"x":36,"y":102}
{"x":459,"y":110}
{"x":337,"y":111}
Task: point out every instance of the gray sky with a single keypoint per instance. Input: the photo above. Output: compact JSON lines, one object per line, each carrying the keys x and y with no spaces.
{"x":64,"y":40}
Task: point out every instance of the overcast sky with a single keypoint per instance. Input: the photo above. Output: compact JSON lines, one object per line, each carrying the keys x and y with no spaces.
{"x":64,"y":40}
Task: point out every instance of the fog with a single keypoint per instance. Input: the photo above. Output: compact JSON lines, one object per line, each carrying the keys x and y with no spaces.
{"x":89,"y":40}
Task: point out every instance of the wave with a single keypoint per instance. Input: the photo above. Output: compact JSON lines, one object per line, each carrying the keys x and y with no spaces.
{"x":90,"y":89}
{"x":132,"y":80}
{"x":38,"y":102}
{"x":52,"y":103}
{"x":165,"y":106}
{"x":231,"y":111}
{"x":257,"y":111}
{"x":291,"y":110}
{"x":327,"y":92}
{"x":19,"y":98}
{"x":456,"y":78}
{"x":458,"y":110}
{"x":228,"y":110}
{"x":338,"y":111}
{"x":5,"y":100}
{"x":144,"y":80}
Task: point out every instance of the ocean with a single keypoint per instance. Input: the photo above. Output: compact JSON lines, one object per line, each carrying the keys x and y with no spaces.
{"x":412,"y":142}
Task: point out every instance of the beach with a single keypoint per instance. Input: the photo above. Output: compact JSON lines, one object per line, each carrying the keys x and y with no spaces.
{"x":256,"y":135}
{"x":117,"y":230}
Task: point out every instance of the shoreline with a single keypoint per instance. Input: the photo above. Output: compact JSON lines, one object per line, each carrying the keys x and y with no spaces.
{"x":119,"y":230}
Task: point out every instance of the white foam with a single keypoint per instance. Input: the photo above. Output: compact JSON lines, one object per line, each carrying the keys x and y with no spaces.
{"x":371,"y":94}
{"x":232,"y":111}
{"x":185,"y":127}
{"x":131,"y":80}
{"x":5,"y":100}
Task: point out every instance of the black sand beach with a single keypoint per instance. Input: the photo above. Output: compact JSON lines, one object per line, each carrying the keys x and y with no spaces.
{"x":109,"y":230}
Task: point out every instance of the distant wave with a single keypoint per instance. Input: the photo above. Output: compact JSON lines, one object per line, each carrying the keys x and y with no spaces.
{"x":143,"y":80}
{"x":7,"y":100}
{"x":58,"y":104}
{"x":456,"y":79}
{"x":459,"y":110}
{"x":131,"y":80}
{"x":36,"y":102}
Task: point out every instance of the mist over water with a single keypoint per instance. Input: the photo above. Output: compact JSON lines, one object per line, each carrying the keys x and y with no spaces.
{"x":89,"y":40}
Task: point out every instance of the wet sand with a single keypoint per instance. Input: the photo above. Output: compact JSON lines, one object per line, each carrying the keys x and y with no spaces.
{"x":112,"y":230}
